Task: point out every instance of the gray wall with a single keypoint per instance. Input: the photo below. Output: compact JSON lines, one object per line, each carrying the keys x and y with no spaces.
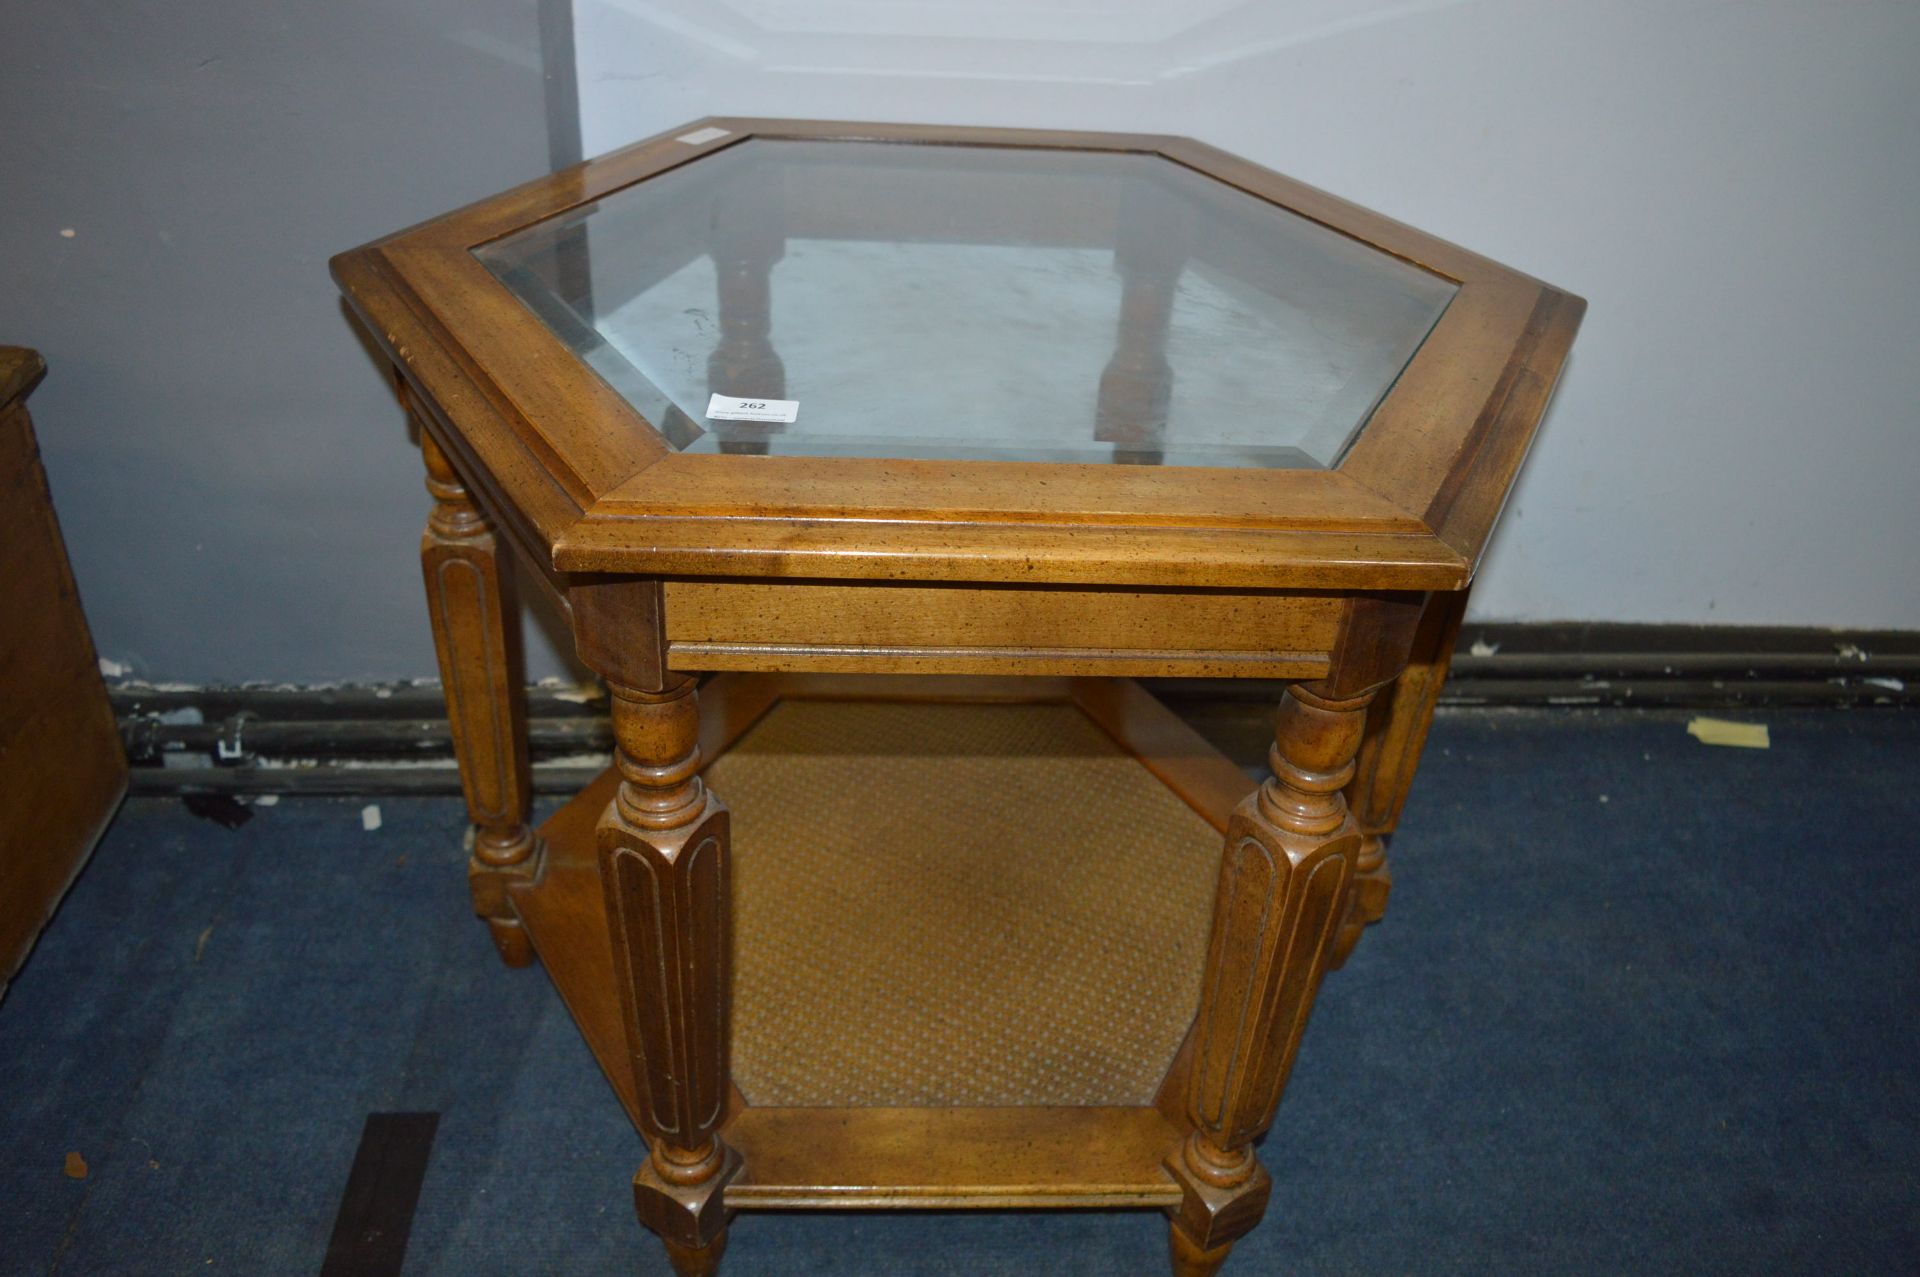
{"x":1732,"y":186}
{"x":237,"y":489}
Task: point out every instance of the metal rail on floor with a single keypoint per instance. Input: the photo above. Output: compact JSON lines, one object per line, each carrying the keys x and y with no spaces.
{"x":393,"y":738}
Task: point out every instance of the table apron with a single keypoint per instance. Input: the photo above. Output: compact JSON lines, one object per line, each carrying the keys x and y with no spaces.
{"x":1051,"y":630}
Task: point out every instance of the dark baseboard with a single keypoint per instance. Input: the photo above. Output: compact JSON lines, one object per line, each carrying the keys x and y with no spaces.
{"x":393,"y":739}
{"x":1674,"y":667}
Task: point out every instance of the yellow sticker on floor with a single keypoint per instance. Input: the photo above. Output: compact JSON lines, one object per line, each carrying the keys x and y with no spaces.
{"x":1724,"y":731}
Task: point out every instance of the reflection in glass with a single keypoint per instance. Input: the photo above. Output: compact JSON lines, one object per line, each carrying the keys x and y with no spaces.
{"x":967,"y":302}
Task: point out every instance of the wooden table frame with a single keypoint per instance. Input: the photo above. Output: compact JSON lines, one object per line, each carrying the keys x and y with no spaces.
{"x":1349,"y":581}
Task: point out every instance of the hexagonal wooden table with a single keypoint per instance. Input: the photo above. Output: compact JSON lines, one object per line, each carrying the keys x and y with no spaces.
{"x":922,"y":443}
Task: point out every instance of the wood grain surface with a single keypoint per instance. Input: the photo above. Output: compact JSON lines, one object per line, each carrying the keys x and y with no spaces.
{"x":62,"y":769}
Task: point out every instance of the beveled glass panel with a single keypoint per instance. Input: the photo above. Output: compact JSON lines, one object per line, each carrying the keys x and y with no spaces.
{"x":975,"y":303}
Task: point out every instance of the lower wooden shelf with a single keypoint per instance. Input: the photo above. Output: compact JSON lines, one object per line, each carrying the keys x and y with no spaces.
{"x":968,"y":933}
{"x":927,"y":1158}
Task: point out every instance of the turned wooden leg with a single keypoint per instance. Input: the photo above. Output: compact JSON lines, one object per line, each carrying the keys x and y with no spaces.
{"x":703,"y":1261}
{"x":1136,"y":387}
{"x":1397,"y":724}
{"x":479,"y":670}
{"x":744,"y":364}
{"x":1188,"y":1259}
{"x":1290,"y":855}
{"x":664,"y":867}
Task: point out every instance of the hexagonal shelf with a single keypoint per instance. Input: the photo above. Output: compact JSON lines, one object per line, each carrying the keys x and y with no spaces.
{"x":946,"y":952}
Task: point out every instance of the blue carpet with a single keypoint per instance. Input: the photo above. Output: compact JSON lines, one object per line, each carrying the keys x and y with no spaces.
{"x":1640,"y":1006}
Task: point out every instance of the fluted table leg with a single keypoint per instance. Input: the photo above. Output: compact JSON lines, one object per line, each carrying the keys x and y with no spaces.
{"x":1285,"y":873}
{"x":665,"y":872}
{"x":1397,"y":724}
{"x":479,"y":670}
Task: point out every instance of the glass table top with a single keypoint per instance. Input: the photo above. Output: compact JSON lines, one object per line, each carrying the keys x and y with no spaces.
{"x":870,"y":299}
